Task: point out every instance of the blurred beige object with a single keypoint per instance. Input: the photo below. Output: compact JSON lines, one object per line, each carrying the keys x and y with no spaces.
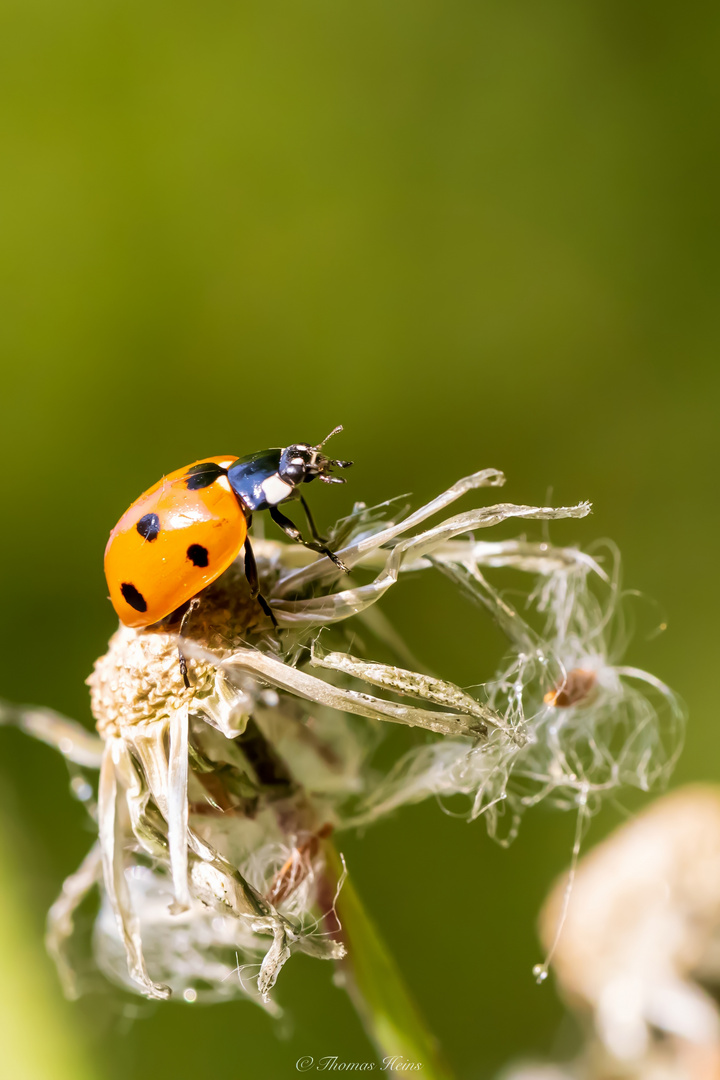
{"x":642,"y":938}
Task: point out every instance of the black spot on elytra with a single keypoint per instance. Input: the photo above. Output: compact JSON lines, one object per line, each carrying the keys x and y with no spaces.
{"x":198,"y":555}
{"x":134,"y":598}
{"x":203,"y":475}
{"x":149,"y":526}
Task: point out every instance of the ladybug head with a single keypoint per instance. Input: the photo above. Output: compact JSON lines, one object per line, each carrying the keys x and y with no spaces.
{"x":302,"y":462}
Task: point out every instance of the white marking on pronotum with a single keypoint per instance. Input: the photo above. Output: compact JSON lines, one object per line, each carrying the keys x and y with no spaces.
{"x":275,"y":489}
{"x":226,"y":464}
{"x":224,"y":483}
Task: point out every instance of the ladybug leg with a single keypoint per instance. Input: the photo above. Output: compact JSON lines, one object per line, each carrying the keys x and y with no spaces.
{"x":190,"y":606}
{"x":183,"y":668}
{"x":252,"y":577}
{"x":311,"y":522}
{"x":294,"y":533}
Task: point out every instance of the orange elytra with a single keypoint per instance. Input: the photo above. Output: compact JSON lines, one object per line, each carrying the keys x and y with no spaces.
{"x":171,"y":544}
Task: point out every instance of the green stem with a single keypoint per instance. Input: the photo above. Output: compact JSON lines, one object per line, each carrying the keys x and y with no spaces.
{"x":389,"y":1015}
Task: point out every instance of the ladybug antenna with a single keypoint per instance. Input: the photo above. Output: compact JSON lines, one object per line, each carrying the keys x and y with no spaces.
{"x":333,"y":432}
{"x":328,"y":463}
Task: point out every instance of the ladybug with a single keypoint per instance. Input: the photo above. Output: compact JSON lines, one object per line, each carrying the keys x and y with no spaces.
{"x":181,"y":534}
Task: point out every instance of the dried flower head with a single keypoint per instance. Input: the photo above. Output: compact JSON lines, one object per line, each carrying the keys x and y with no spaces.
{"x":216,"y":801}
{"x":638,"y":949}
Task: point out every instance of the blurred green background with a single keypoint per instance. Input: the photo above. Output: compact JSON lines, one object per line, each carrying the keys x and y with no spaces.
{"x":476,"y":234}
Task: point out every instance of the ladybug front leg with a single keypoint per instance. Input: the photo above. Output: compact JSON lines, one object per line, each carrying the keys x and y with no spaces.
{"x":252,"y":578}
{"x":311,"y":522}
{"x":294,"y":533}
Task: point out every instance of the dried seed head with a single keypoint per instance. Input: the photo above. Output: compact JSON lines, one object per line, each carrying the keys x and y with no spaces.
{"x":213,"y":798}
{"x":638,"y":945}
{"x":139,"y":677}
{"x":226,"y":616}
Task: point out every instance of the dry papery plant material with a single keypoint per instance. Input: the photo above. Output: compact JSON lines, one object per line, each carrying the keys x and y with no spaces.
{"x":638,"y":959}
{"x":215,"y":802}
